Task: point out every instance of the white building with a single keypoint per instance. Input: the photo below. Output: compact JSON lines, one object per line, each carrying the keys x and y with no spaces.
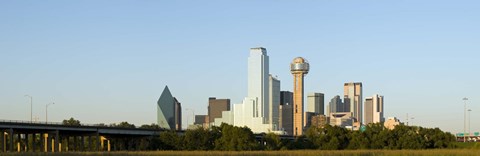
{"x":274,"y":98}
{"x":258,"y":74}
{"x":259,"y":110}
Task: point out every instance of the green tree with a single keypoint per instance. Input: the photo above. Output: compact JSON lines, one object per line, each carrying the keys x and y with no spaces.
{"x":357,"y":140}
{"x":328,"y":137}
{"x":198,"y":139}
{"x":171,"y":141}
{"x":272,"y":141}
{"x":71,"y":122}
{"x":151,"y":126}
{"x":123,"y":124}
{"x":235,"y":139}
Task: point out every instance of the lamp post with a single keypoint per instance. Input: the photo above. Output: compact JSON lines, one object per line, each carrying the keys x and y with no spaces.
{"x":46,"y":111}
{"x":408,"y":119}
{"x":469,"y":122}
{"x":31,"y":107}
{"x":193,"y":116}
{"x":465,"y":119}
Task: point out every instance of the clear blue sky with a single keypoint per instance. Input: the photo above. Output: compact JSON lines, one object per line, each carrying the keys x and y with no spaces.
{"x":108,"y":61}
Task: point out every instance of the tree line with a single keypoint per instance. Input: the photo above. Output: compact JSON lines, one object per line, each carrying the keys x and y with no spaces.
{"x":232,"y":138}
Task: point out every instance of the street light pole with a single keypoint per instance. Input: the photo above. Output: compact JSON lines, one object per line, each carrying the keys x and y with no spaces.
{"x":193,"y":116}
{"x":469,"y":122}
{"x":409,"y":119}
{"x":465,"y":119}
{"x":31,"y":107}
{"x":46,"y":111}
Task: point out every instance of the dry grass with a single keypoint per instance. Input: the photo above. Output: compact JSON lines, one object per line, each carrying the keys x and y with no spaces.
{"x":443,"y":152}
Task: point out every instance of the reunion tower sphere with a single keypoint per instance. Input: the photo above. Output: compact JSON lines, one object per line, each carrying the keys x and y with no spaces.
{"x":299,"y":65}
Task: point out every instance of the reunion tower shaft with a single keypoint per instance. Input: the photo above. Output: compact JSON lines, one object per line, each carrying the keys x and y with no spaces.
{"x":299,"y":68}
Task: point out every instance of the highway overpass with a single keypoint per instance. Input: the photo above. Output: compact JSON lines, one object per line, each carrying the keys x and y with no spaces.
{"x":48,"y":137}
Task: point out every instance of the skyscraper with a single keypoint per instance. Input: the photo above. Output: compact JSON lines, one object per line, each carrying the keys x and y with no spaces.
{"x":258,"y":74}
{"x":353,"y":99}
{"x":299,"y":68}
{"x":374,"y":109}
{"x":335,"y":105}
{"x":286,"y":112}
{"x":254,"y":111}
{"x":286,"y":98}
{"x":178,"y":114}
{"x":316,"y":103}
{"x":216,"y":107}
{"x":169,"y":111}
{"x":274,"y":98}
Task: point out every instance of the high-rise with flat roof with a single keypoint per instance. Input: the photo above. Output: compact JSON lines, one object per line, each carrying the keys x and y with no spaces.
{"x":216,"y":107}
{"x":374,"y":109}
{"x":353,"y":99}
{"x":274,"y":98}
{"x":286,"y":112}
{"x":286,"y":98}
{"x":316,"y":103}
{"x":178,"y":114}
{"x":258,"y":76}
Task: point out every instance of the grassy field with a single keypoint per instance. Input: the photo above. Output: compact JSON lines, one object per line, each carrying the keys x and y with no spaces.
{"x":446,"y":152}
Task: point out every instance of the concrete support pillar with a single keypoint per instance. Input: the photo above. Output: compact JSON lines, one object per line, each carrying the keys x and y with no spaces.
{"x":34,"y":143}
{"x":97,"y":141}
{"x":19,"y":140}
{"x":75,"y":143}
{"x":42,"y":142}
{"x":2,"y":141}
{"x":11,"y":142}
{"x":102,"y":142}
{"x":82,"y":143}
{"x":26,"y":143}
{"x":64,"y":144}
{"x":90,"y":144}
{"x":67,"y":144}
{"x":108,"y":148}
{"x":56,"y":142}
{"x":49,"y":142}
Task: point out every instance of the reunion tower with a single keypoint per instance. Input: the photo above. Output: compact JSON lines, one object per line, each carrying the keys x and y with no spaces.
{"x":299,"y":68}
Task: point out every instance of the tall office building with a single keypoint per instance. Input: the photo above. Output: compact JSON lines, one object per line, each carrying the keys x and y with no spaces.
{"x":299,"y":68}
{"x":353,"y":99}
{"x":254,"y":112}
{"x":178,"y":114}
{"x":169,"y":111}
{"x":216,"y":107}
{"x":258,"y":74}
{"x":286,"y":98}
{"x":335,"y":105}
{"x":374,"y":109}
{"x":286,"y":112}
{"x":274,"y":98}
{"x":316,"y":103}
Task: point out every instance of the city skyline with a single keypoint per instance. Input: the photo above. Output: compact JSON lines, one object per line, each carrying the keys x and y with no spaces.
{"x":420,"y":55}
